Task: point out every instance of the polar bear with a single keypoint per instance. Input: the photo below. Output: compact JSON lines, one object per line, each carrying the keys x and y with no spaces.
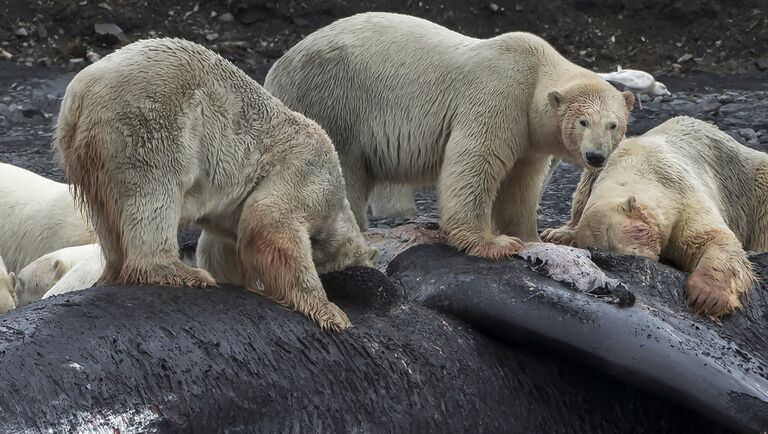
{"x":37,"y":278}
{"x":7,"y":288}
{"x":37,"y":216}
{"x":688,"y":192}
{"x":165,"y":131}
{"x":83,"y":275}
{"x":408,"y":101}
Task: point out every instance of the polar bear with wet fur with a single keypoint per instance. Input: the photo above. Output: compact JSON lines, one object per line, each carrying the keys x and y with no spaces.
{"x":42,"y":274}
{"x":37,"y":216}
{"x":688,"y":192}
{"x":165,"y":131}
{"x":408,"y":101}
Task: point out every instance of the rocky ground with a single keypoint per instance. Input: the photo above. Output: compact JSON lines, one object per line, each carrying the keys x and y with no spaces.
{"x":654,"y":35}
{"x":738,"y":104}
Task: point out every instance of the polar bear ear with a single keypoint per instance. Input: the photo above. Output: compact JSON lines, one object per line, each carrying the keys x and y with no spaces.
{"x":629,"y":99}
{"x":555,"y":99}
{"x":59,"y":269}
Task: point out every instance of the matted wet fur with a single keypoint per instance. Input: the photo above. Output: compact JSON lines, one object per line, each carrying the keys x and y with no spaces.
{"x":407,"y":101}
{"x":165,"y":131}
{"x":685,"y":191}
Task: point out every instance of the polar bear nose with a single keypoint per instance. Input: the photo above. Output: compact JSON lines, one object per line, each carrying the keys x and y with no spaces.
{"x":595,"y":159}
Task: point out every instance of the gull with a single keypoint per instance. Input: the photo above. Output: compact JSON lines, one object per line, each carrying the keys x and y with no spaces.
{"x":637,"y":82}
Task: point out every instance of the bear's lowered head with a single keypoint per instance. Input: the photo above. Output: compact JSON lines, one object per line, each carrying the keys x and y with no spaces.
{"x":593,"y":119}
{"x":626,"y":227}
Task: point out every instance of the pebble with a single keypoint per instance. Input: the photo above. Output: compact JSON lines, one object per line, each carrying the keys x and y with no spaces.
{"x":749,"y":135}
{"x":3,"y":109}
{"x":493,"y":7}
{"x":212,"y":36}
{"x":14,"y":113}
{"x":685,"y":58}
{"x":226,"y":17}
{"x":22,"y":32}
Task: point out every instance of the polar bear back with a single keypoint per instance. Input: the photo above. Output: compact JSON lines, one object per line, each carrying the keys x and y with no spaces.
{"x":37,"y":216}
{"x":392,"y":87}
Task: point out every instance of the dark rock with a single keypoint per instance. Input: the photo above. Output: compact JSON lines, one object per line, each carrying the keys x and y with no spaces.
{"x":30,"y":111}
{"x":749,"y":135}
{"x":21,"y":32}
{"x":226,"y":17}
{"x":762,"y":64}
{"x":15,"y":114}
{"x":42,"y":33}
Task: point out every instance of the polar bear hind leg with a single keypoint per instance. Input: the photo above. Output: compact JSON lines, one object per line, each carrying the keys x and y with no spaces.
{"x":392,"y":200}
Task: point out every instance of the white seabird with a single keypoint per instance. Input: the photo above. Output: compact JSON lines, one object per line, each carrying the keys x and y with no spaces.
{"x":637,"y":82}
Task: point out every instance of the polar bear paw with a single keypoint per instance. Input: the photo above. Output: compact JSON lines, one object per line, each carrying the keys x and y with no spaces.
{"x":564,"y":235}
{"x":715,"y":291}
{"x":501,"y":246}
{"x":174,"y":273}
{"x":328,"y":316}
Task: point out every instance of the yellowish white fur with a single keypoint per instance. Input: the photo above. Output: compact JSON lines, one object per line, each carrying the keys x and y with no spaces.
{"x":165,"y":131}
{"x":685,"y":191}
{"x":37,"y":216}
{"x":37,"y":278}
{"x":408,"y":101}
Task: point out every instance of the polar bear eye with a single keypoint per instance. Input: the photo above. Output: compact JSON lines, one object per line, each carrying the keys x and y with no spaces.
{"x":613,"y":125}
{"x":583,"y":123}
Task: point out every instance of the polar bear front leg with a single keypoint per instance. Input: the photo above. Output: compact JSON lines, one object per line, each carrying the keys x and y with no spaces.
{"x":149,"y":211}
{"x":276,"y":256}
{"x":467,"y":185}
{"x":720,"y":271}
{"x":514,"y":210}
{"x":566,"y":234}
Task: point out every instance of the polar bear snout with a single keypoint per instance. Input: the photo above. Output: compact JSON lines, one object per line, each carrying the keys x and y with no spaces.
{"x":595,"y":159}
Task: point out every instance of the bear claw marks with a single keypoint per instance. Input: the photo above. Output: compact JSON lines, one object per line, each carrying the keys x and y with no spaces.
{"x":499,"y":247}
{"x":715,"y":291}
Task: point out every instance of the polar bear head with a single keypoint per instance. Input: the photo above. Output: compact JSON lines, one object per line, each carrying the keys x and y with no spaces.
{"x":593,"y":119}
{"x":627,"y":228}
{"x":341,"y":245}
{"x":39,"y":276}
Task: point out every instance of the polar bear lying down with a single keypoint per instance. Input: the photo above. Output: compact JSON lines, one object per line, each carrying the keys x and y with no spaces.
{"x":37,"y":216}
{"x":73,"y":265}
{"x":165,"y":131}
{"x":685,"y":191}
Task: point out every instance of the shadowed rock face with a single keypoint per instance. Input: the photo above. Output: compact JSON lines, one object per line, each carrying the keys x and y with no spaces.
{"x":187,"y":360}
{"x":657,"y":343}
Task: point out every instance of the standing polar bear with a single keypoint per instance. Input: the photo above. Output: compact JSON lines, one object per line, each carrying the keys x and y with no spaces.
{"x":165,"y":131}
{"x":409,"y":101}
{"x":37,"y":216}
{"x":685,"y":191}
